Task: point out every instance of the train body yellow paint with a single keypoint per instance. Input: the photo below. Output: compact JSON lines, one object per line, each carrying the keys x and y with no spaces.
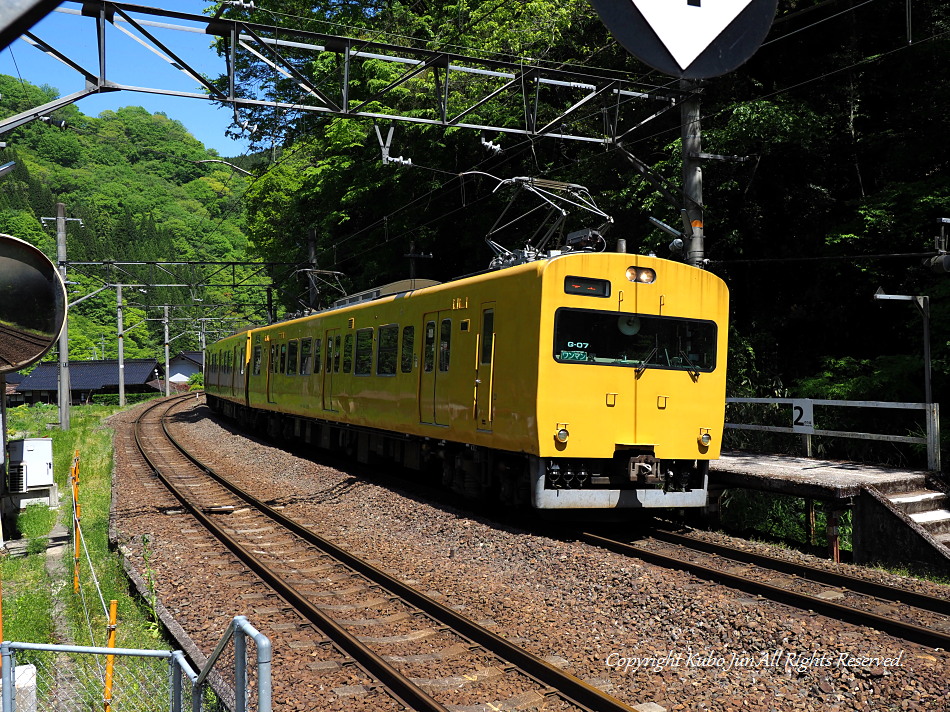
{"x":585,"y":380}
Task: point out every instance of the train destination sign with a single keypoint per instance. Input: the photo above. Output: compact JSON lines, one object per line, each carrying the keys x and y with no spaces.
{"x":691,"y":39}
{"x":32,"y":304}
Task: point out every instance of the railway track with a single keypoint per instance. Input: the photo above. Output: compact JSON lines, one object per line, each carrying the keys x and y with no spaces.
{"x":454,"y":663}
{"x":19,"y":344}
{"x":905,"y":614}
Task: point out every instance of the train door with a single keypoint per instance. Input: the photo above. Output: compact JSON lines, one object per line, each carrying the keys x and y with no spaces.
{"x":331,"y":369}
{"x":484,"y":369}
{"x":271,"y":370}
{"x":436,"y":362}
{"x":237,"y":370}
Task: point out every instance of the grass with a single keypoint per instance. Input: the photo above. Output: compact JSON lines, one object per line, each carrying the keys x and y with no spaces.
{"x":27,"y":589}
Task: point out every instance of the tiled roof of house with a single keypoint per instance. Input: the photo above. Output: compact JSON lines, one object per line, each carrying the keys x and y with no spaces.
{"x":196,"y":357}
{"x":90,"y":375}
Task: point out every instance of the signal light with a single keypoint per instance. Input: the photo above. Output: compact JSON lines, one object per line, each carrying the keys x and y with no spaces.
{"x":939,"y":264}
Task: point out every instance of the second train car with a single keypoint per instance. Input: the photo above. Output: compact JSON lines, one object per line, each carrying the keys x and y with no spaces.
{"x":580,"y":381}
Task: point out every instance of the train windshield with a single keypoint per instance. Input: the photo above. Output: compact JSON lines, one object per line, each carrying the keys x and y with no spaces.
{"x":634,"y":340}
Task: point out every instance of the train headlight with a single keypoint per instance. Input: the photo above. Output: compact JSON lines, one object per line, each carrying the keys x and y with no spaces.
{"x":641,"y":275}
{"x":705,"y":439}
{"x":562,"y":435}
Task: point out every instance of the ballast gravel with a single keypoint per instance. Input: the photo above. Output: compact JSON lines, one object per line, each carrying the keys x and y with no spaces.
{"x":645,"y":634}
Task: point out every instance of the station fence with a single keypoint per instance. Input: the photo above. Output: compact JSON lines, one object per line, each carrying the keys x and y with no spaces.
{"x":803,"y":423}
{"x":69,"y":678}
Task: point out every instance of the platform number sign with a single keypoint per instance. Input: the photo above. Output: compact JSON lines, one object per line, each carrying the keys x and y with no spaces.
{"x":692,"y":39}
{"x":803,"y":420}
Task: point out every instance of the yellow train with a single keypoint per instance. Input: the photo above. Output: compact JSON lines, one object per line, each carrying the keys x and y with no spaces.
{"x":584,"y":380}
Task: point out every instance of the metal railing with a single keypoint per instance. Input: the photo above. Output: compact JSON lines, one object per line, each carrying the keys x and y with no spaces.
{"x":72,"y":677}
{"x":803,"y":423}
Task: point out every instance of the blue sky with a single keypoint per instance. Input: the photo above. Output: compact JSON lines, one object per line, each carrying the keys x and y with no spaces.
{"x":129,"y":63}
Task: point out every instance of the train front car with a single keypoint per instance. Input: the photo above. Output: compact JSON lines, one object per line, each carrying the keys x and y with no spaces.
{"x":631,"y":382}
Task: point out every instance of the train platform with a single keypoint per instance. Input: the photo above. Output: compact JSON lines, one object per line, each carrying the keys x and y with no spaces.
{"x":900,"y":517}
{"x":809,"y":478}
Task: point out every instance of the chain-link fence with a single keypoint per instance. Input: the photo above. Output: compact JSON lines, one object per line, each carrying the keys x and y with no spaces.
{"x":68,"y":678}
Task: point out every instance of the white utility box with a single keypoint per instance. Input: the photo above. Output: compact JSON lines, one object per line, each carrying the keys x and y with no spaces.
{"x":30,"y":465}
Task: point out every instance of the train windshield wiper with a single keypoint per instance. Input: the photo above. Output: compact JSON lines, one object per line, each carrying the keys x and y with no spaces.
{"x":643,"y":364}
{"x":693,"y":371}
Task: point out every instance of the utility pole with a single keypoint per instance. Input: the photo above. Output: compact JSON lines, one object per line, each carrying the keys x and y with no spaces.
{"x":64,"y":399}
{"x":64,"y":396}
{"x":414,"y":257}
{"x":119,"y":326}
{"x":167,"y":363}
{"x":692,"y":173}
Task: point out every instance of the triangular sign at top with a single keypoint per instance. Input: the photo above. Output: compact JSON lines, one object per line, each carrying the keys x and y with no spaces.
{"x":692,"y":39}
{"x":687,"y":27}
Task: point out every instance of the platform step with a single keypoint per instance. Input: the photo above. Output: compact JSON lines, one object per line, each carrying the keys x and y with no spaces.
{"x":918,"y":500}
{"x":935,"y":521}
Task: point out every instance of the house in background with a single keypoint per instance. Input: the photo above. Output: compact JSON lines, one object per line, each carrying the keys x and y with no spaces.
{"x":12,"y":396}
{"x":184,"y":365}
{"x":86,"y":378}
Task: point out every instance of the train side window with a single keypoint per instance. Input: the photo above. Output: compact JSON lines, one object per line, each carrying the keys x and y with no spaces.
{"x":408,"y":343}
{"x":445,"y":344}
{"x":364,"y":352}
{"x":488,"y":334}
{"x":317,"y":354}
{"x":283,"y":359}
{"x":238,"y":357}
{"x":336,"y":354}
{"x":428,"y":361}
{"x":292,"y":349}
{"x":306,"y":346}
{"x":273,"y":358}
{"x":348,"y":354}
{"x":258,"y":357}
{"x":386,"y":350}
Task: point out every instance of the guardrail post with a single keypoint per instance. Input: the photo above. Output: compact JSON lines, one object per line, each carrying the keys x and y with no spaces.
{"x":240,"y":665}
{"x":174,"y":685}
{"x":806,"y":441}
{"x":263,"y":647}
{"x":933,"y":437}
{"x":6,"y":674}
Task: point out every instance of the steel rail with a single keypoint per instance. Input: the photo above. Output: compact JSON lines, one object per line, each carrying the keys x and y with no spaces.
{"x":406,"y":691}
{"x":573,"y":688}
{"x":893,"y":594}
{"x":25,"y":335}
{"x":906,"y":631}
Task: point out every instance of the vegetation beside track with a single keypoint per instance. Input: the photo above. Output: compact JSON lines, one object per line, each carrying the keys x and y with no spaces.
{"x":31,"y":593}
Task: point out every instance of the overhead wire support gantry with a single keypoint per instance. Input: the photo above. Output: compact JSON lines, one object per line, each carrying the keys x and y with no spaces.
{"x":605,"y":97}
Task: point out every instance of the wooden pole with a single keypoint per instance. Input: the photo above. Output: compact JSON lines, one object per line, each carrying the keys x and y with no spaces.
{"x":110,"y":659}
{"x":834,"y":551}
{"x":810,"y":520}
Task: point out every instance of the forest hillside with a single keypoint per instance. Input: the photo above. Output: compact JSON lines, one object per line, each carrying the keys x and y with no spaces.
{"x":134,"y":192}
